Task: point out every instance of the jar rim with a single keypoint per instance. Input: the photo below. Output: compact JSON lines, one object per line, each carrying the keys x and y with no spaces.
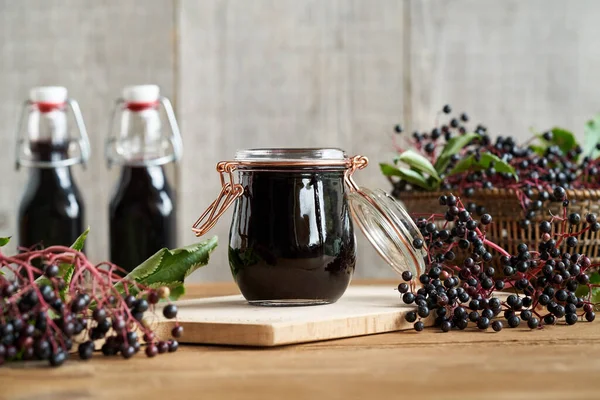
{"x":325,"y":156}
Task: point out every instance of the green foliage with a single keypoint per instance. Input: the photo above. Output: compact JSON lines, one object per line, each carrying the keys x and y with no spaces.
{"x":419,"y":163}
{"x":4,"y":241}
{"x":471,"y":163}
{"x":170,"y":267}
{"x":411,"y":176}
{"x":592,"y":137}
{"x":583,"y":291}
{"x":453,"y":146}
{"x":562,"y":138}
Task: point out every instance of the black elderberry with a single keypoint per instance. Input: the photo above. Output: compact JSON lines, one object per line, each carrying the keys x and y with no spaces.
{"x":497,"y":326}
{"x":486,"y":219}
{"x":570,"y":308}
{"x":398,"y":129}
{"x":460,"y":312}
{"x":130,"y":301}
{"x":590,"y":218}
{"x":561,"y":295}
{"x":474,"y":316}
{"x":57,"y":358}
{"x":86,"y":350}
{"x":471,"y":225}
{"x":571,"y":319}
{"x":558,"y":311}
{"x":447,"y":109}
{"x":403,"y":288}
{"x":483,"y":323}
{"x":446,"y":326}
{"x":590,"y":316}
{"x":170,"y":310}
{"x":408,"y":298}
{"x":574,"y":218}
{"x":526,"y":315}
{"x":533,"y":323}
{"x":407,"y":275}
{"x":559,"y":193}
{"x":419,"y":326}
{"x":51,"y":270}
{"x":411,"y":316}
{"x":418,"y":243}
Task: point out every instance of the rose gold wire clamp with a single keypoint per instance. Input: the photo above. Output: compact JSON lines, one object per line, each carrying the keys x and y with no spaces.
{"x":230,"y":190}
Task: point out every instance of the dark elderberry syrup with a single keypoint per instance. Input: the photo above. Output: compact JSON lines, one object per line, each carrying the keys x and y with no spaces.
{"x":51,"y":210}
{"x":291,"y":239}
{"x":142,"y":216}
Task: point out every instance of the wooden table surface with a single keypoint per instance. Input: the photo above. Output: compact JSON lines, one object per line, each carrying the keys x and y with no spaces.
{"x":557,"y":362}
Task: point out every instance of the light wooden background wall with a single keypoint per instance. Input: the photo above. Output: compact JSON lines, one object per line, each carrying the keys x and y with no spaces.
{"x":294,"y":73}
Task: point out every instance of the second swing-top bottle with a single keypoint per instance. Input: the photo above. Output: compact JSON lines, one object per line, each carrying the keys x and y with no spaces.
{"x":142,"y":209}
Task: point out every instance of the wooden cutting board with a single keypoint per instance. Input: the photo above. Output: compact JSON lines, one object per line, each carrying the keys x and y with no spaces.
{"x":230,"y":320}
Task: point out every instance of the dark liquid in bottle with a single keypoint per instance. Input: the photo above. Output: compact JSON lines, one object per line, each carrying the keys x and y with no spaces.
{"x":142,"y":216}
{"x":292,"y":237}
{"x":51,"y":210}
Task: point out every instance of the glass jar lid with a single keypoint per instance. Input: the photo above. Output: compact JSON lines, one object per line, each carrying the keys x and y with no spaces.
{"x":303,"y":158}
{"x":389,"y":228}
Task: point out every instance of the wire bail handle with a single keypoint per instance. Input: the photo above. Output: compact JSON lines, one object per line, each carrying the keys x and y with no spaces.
{"x":83,"y":141}
{"x":174,"y":138}
{"x":230,"y":191}
{"x":357,"y":162}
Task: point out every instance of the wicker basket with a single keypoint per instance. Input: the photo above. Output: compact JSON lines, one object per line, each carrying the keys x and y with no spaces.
{"x":506,"y":211}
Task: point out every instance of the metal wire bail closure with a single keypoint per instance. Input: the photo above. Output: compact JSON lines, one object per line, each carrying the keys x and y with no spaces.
{"x":175,"y":137}
{"x":82,"y":142}
{"x":230,"y":190}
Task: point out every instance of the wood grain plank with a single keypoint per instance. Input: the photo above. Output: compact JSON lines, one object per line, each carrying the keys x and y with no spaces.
{"x":556,"y":362}
{"x":94,"y":49}
{"x":285,"y":73}
{"x":511,"y":65}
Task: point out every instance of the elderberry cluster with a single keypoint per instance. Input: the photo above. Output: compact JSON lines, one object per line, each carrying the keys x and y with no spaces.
{"x":536,"y":285}
{"x":47,"y":319}
{"x":540,"y":169}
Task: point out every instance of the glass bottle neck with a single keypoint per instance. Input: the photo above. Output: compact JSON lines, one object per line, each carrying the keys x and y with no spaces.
{"x":48,"y":151}
{"x":143,"y":177}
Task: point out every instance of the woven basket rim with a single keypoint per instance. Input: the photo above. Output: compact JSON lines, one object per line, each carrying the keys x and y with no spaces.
{"x":588,"y":194}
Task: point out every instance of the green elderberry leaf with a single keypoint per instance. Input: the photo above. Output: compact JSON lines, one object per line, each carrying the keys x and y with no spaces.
{"x":149,"y":266}
{"x":453,"y":146}
{"x":419,"y":163}
{"x":411,"y":176}
{"x":562,"y":138}
{"x":4,"y":241}
{"x":485,"y":160}
{"x":171,"y":267}
{"x":592,"y":137}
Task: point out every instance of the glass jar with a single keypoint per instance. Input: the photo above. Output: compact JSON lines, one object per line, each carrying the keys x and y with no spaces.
{"x":291,"y":240}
